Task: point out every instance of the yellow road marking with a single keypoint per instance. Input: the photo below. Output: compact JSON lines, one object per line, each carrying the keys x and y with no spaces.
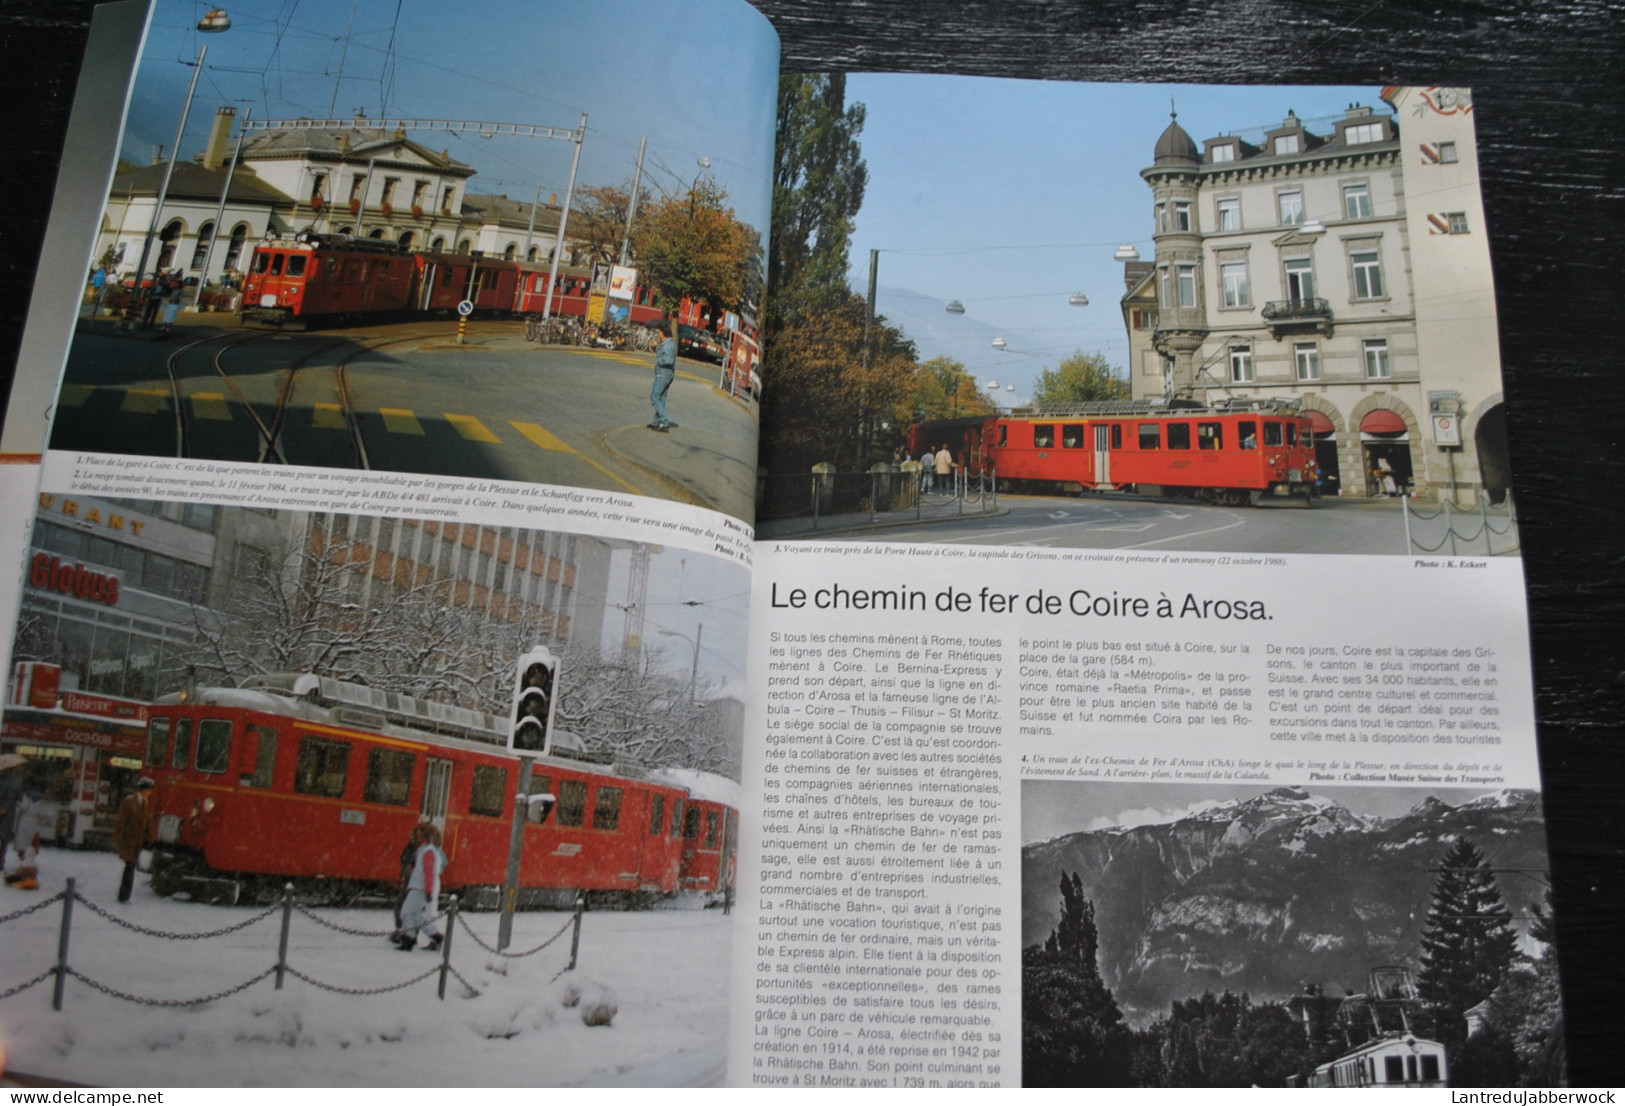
{"x":471,"y":428}
{"x":210,"y":405}
{"x":541,"y":437}
{"x":144,"y":401}
{"x":398,"y":420}
{"x":327,"y":416}
{"x":74,"y":395}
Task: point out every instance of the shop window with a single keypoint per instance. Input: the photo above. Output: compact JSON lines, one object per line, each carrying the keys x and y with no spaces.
{"x":1179,"y":435}
{"x":572,"y":808}
{"x":183,"y":743}
{"x":389,"y":776}
{"x":606,"y":809}
{"x":323,"y":767}
{"x":1150,"y":436}
{"x":213,"y":745}
{"x":1209,"y":435}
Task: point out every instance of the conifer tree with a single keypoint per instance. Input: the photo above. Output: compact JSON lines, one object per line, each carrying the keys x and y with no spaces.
{"x":1469,"y":943}
{"x":1072,"y":1030}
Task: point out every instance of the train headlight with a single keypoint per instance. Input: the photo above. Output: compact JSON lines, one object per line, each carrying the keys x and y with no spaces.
{"x":208,"y":806}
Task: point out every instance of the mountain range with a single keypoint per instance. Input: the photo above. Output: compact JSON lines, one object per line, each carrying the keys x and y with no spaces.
{"x":1267,"y":894}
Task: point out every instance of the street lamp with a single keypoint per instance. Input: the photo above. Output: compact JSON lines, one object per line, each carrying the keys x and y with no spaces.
{"x":1126,"y":252}
{"x":694,"y":666}
{"x":213,"y":23}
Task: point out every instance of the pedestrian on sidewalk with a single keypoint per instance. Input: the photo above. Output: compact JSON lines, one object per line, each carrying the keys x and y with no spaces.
{"x":422,"y":892}
{"x":665,"y":373}
{"x":130,"y":832}
{"x":945,"y":468}
{"x":928,"y":467}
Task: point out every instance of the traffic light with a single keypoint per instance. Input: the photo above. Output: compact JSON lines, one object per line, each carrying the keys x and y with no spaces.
{"x":535,"y":687}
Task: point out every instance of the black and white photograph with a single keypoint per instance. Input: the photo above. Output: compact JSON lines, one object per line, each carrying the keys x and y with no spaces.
{"x":1226,"y":935}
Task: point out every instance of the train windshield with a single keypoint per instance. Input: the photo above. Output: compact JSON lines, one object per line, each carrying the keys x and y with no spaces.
{"x":262,"y":261}
{"x":1247,"y":431}
{"x":1272,"y":433}
{"x":296,"y":264}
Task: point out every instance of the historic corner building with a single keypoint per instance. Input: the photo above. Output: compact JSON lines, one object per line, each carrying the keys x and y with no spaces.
{"x":1342,"y":266}
{"x":116,"y":592}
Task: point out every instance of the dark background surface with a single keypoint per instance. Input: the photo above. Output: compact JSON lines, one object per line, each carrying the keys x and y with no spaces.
{"x":1549,"y":88}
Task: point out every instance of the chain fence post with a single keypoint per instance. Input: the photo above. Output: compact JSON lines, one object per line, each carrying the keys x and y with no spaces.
{"x":816,"y":489}
{"x":1405,"y":512}
{"x":1484,"y":517}
{"x":445,"y":947}
{"x":575,"y":938}
{"x":874,"y":499}
{"x":1450,"y":526}
{"x":287,"y":925}
{"x":62,"y":944}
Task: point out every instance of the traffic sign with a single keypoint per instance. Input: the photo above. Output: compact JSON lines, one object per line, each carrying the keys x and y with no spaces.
{"x":466,"y":308}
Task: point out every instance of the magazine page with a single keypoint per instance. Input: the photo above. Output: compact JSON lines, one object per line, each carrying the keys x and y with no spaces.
{"x":1147,"y":698}
{"x":375,"y":705}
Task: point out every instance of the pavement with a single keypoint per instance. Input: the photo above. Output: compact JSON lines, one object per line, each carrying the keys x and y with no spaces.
{"x":930,"y":508}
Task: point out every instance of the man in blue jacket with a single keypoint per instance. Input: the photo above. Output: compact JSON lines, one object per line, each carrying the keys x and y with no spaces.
{"x":665,"y":372}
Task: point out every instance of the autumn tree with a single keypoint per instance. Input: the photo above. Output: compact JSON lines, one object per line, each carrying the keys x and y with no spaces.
{"x":598,"y":218}
{"x":1081,"y":378}
{"x":942,"y":390}
{"x":1072,"y":1030}
{"x":691,"y":245}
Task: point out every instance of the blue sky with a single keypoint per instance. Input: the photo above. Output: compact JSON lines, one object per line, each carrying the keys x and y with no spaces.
{"x":698,"y":78}
{"x":1010,"y":196}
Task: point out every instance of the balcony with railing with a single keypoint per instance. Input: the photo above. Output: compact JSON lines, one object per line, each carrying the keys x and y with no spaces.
{"x":1305,"y":314}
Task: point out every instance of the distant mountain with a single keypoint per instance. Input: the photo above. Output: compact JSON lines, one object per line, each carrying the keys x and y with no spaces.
{"x":1267,"y":894}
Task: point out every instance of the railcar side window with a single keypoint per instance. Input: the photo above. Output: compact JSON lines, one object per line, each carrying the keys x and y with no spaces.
{"x":323,"y":767}
{"x":1291,"y":433}
{"x":1004,"y":435}
{"x":1272,"y":433}
{"x":606,"y":809}
{"x":1072,"y":436}
{"x":490,"y":790}
{"x":213,"y":745}
{"x":1179,"y":435}
{"x":676,"y":817}
{"x":1209,"y":435}
{"x":572,"y":808}
{"x":1247,"y":431}
{"x":262,"y":750}
{"x":158,"y":742}
{"x":1150,"y":436}
{"x":657,"y":816}
{"x":1393,"y":1069}
{"x":183,"y":742}
{"x":389,"y":776}
{"x":1043,"y":435}
{"x":711,"y":829}
{"x":296,"y":264}
{"x":691,"y":824}
{"x":1117,"y":435}
{"x":1430,"y":1069}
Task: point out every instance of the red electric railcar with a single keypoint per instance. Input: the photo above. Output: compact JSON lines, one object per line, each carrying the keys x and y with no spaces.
{"x":1229,"y":454}
{"x":295,"y":777}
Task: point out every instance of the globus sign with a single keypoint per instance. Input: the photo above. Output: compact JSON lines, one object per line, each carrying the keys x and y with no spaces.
{"x":54,"y":574}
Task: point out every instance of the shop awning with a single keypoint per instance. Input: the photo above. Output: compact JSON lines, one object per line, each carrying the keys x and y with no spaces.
{"x":1383,"y":422}
{"x":1321,"y":425}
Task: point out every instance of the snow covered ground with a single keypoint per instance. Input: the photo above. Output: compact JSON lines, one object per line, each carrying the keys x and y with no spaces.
{"x":667,"y":970}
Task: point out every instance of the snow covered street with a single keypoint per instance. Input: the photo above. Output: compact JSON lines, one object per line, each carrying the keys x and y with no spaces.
{"x":666,"y":970}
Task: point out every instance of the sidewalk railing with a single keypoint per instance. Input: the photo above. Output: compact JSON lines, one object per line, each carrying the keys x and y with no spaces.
{"x":62,"y":970}
{"x":886,"y":492}
{"x":1487,"y":531}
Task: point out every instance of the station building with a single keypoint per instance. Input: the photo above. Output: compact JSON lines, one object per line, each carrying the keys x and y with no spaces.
{"x":1342,"y":265}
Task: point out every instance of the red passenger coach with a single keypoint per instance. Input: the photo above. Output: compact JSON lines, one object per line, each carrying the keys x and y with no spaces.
{"x":318,"y":278}
{"x":1228,"y":454}
{"x":309,"y":779}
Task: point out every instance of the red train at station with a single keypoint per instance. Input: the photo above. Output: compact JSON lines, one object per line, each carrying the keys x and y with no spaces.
{"x":315,"y":279}
{"x":1228,"y":454}
{"x":298,"y":777}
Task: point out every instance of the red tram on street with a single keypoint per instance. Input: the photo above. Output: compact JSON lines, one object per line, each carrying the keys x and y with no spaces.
{"x":1228,"y":454}
{"x":298,"y":777}
{"x":312,"y":279}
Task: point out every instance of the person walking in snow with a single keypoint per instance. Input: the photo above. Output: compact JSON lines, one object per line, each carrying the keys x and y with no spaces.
{"x":131,"y":830}
{"x":422,"y":892}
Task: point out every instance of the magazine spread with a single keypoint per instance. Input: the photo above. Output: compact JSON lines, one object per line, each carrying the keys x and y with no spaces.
{"x":741,"y":595}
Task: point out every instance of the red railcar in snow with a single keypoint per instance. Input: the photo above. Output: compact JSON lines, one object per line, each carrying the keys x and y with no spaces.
{"x":1225,"y":453}
{"x":318,"y":781}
